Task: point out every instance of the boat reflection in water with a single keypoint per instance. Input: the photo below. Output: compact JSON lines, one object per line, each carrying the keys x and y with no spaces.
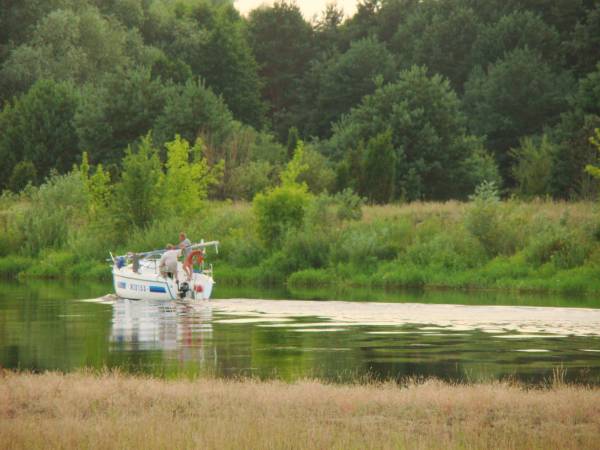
{"x":342,"y":341}
{"x":181,"y":331}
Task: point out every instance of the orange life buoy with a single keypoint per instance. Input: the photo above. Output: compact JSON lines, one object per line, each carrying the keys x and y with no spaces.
{"x":198,"y":254}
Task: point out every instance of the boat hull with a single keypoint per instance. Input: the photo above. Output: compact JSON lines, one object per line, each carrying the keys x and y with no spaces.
{"x":152,"y":286}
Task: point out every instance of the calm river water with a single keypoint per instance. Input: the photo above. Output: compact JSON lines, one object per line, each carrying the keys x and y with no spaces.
{"x":454,"y":336}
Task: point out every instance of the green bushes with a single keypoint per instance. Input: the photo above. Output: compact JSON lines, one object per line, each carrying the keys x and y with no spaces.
{"x":306,"y":249}
{"x":348,"y":205}
{"x":93,"y":241}
{"x":12,"y":265}
{"x":250,"y":179}
{"x":482,"y":219}
{"x":82,"y":216}
{"x":154,"y":236}
{"x":533,"y":168}
{"x":559,"y":246}
{"x":318,"y":176}
{"x":10,"y":236}
{"x":282,"y":208}
{"x":453,"y":251}
{"x":534,"y":247}
{"x":5,"y":244}
{"x":320,"y":240}
{"x":364,"y":245}
{"x":243,"y":248}
{"x":90,"y":270}
{"x":312,"y":278}
{"x":497,"y":226}
{"x":278,"y":211}
{"x":23,"y":173}
{"x":500,"y":269}
{"x":54,"y":208}
{"x":380,"y":168}
{"x":51,"y":264}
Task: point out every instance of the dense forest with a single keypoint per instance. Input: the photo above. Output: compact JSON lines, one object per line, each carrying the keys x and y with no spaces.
{"x":125,"y":122}
{"x":405,"y":100}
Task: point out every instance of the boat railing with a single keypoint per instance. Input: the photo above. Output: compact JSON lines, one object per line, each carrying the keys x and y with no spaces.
{"x":156,"y":253}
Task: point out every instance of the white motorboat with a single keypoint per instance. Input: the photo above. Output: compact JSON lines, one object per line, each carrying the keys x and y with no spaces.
{"x":138,"y":277}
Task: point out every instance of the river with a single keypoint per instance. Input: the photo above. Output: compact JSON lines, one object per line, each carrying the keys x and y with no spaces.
{"x":337,"y":336}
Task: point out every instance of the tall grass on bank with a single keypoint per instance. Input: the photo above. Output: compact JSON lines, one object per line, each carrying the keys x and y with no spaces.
{"x":117,"y":411}
{"x":539,"y":245}
{"x":486,"y":243}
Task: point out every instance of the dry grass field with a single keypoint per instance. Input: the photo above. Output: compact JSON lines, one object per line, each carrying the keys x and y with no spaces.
{"x":119,"y":411}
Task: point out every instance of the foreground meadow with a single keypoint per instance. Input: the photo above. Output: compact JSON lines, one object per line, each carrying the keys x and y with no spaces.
{"x":83,"y":410}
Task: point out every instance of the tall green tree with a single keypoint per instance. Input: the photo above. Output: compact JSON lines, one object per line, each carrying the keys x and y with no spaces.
{"x":377,"y":18}
{"x":193,"y":110}
{"x":439,"y":35}
{"x":391,"y":14}
{"x":428,"y":133}
{"x":561,"y":14}
{"x":117,"y":111}
{"x":344,"y":80}
{"x":571,"y":136}
{"x":318,"y":175}
{"x":99,"y":189}
{"x":230,"y":69}
{"x":479,"y":167}
{"x":595,"y":141}
{"x":188,"y":177}
{"x":130,"y":13}
{"x":69,"y":45}
{"x":250,"y":179}
{"x":292,"y":141}
{"x":380,"y":169}
{"x":532,"y":170}
{"x":328,"y":35}
{"x":39,"y":127}
{"x":23,"y":173}
{"x":515,"y":97}
{"x":139,"y":194}
{"x":365,"y":22}
{"x":282,"y":43}
{"x":519,"y":29}
{"x":209,"y":37}
{"x":283,"y":207}
{"x":582,"y":48}
{"x":18,"y":19}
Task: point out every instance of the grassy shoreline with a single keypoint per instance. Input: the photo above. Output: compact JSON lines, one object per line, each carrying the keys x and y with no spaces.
{"x":538,"y":246}
{"x":112,"y":410}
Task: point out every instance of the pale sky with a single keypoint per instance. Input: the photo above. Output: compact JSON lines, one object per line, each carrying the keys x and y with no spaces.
{"x":308,"y":8}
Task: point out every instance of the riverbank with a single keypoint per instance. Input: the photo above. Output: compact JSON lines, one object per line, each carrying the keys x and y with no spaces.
{"x":537,"y":246}
{"x":53,"y":410}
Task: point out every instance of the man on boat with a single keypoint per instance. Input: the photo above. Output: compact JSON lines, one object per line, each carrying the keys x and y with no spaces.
{"x":185,"y":244}
{"x":135,"y":261}
{"x":168,"y":262}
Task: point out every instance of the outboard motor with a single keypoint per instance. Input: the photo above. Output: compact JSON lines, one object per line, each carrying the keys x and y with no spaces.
{"x":183,"y":289}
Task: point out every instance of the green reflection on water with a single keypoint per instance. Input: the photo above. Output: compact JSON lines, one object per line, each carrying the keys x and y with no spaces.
{"x":43,"y":326}
{"x":475,"y":297}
